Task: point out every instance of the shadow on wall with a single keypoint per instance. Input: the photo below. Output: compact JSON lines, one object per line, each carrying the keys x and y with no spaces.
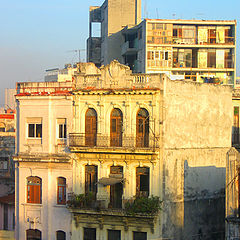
{"x":204,"y":203}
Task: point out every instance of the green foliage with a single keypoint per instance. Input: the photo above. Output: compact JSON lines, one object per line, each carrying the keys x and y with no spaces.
{"x":81,"y":200}
{"x":143,"y":205}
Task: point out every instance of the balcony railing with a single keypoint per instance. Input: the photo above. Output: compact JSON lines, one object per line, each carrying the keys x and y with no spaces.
{"x":190,"y":41}
{"x":119,"y":141}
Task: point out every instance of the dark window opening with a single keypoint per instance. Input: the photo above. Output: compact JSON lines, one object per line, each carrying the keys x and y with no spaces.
{"x":61,"y":235}
{"x":5,"y":217}
{"x":62,"y":131}
{"x":114,"y":235}
{"x":91,"y":178}
{"x":235,"y":137}
{"x":139,"y":236}
{"x":35,"y":130}
{"x":89,"y":234}
{"x":142,"y":182}
{"x":34,"y":234}
{"x":116,"y":190}
{"x":211,"y":59}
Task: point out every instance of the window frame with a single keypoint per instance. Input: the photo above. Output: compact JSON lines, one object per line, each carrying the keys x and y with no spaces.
{"x":63,"y":188}
{"x":64,"y":131}
{"x":60,"y":231}
{"x":34,"y":193}
{"x":35,"y":133}
{"x":36,"y":232}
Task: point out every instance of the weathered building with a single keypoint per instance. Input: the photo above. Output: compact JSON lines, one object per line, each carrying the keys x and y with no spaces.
{"x":132,"y":139}
{"x":43,"y":170}
{"x":172,"y":135}
{"x":7,"y":150}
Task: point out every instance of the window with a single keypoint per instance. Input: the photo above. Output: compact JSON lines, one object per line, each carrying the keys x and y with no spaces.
{"x":34,"y":234}
{"x":89,"y":234}
{"x":34,"y":130}
{"x":91,"y":179}
{"x":142,"y":181}
{"x":116,"y":128}
{"x":2,"y":127}
{"x":139,"y":236}
{"x":60,"y":235}
{"x":235,"y":137}
{"x":211,"y":58}
{"x":212,"y":35}
{"x":61,"y":190}
{"x":62,"y":128}
{"x":3,"y":163}
{"x":91,"y":127}
{"x":114,"y":235}
{"x":116,"y":190}
{"x":5,"y":217}
{"x":34,"y":190}
{"x":142,"y":128}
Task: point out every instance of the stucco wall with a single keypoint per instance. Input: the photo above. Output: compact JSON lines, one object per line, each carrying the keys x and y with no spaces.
{"x":197,"y":136}
{"x":48,"y":109}
{"x":47,"y":217}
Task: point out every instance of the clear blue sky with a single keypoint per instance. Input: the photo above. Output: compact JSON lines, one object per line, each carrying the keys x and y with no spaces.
{"x":37,"y":35}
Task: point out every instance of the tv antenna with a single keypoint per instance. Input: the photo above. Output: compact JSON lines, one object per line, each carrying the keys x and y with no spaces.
{"x":157,"y":13}
{"x":78,"y":51}
{"x":145,"y":9}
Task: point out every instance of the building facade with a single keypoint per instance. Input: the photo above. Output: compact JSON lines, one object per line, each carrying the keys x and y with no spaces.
{"x":7,"y":150}
{"x":96,"y":155}
{"x":113,"y":16}
{"x":199,"y":50}
{"x":145,"y":135}
{"x":43,"y":170}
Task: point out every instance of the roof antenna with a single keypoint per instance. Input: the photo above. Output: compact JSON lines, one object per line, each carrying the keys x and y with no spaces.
{"x":145,"y":9}
{"x":157,"y":13}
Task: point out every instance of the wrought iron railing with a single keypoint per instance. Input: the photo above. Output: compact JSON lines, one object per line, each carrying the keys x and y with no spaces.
{"x":121,"y":141}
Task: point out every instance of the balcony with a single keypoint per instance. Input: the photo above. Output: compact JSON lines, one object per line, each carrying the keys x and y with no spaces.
{"x":129,"y":47}
{"x":135,"y":213}
{"x":91,"y":141}
{"x":190,"y":41}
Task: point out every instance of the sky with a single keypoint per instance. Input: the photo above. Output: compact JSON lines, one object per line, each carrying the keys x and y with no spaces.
{"x":39,"y":35}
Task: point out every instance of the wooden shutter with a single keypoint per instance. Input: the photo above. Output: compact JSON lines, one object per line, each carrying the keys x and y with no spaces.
{"x":90,"y":127}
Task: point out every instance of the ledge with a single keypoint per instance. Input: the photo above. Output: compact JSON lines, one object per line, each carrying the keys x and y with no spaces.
{"x":113,"y":216}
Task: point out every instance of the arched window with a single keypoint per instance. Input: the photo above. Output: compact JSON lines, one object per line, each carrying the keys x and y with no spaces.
{"x":2,"y":127}
{"x":91,"y":127}
{"x":116,"y":128}
{"x":142,"y":128}
{"x":61,"y":190}
{"x":34,"y":190}
{"x":60,"y":235}
{"x":34,"y":234}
